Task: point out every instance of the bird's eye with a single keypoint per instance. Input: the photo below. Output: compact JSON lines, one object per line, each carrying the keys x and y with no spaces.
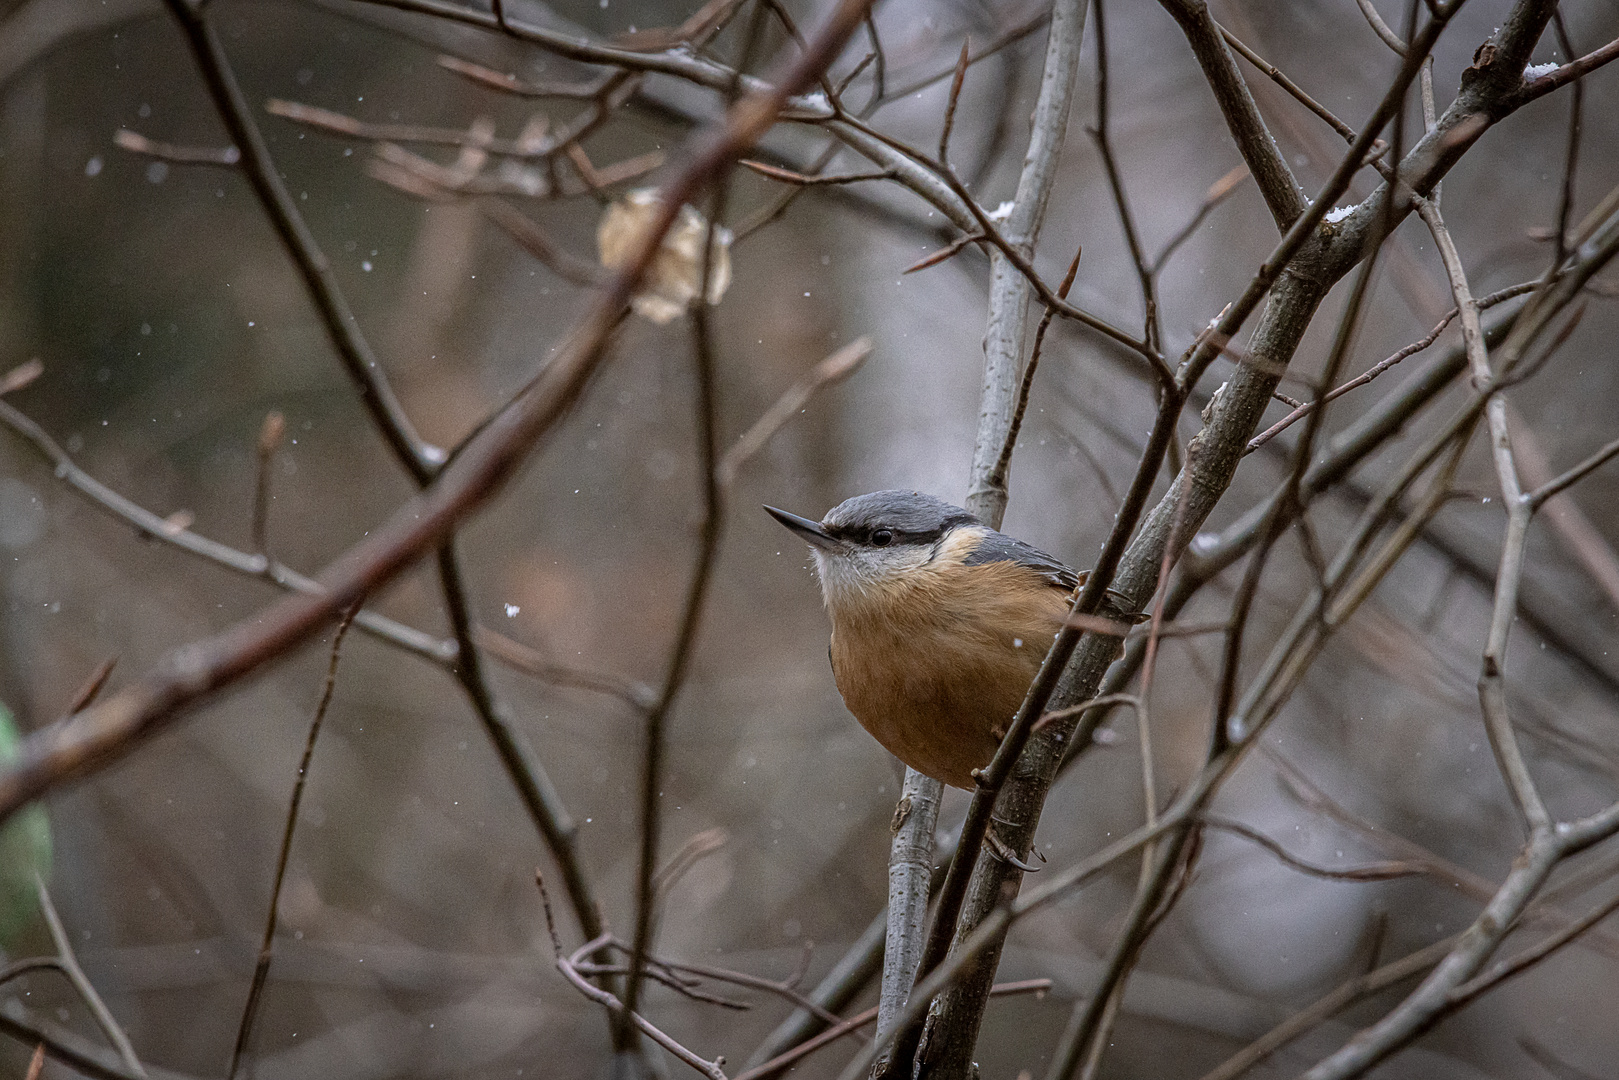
{"x":882,"y":538}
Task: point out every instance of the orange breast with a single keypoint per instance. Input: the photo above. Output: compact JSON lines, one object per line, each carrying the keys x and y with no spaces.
{"x":936,"y":667}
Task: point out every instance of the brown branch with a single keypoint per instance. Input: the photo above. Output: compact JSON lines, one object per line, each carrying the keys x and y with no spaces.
{"x":788,"y":176}
{"x":511,"y":84}
{"x":270,"y":435}
{"x":261,"y":971}
{"x":944,"y":254}
{"x":1280,"y":79}
{"x":181,"y":155}
{"x":1383,"y":871}
{"x":1218,"y":192}
{"x":419,"y":459}
{"x":1303,"y":409}
{"x":1281,"y":191}
{"x":829,"y":372}
{"x":532,"y":238}
{"x":93,"y":685}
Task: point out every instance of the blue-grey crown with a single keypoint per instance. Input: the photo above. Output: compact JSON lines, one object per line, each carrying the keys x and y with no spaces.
{"x":912,"y":516}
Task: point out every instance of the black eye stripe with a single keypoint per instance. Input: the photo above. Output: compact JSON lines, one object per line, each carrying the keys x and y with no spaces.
{"x":862,"y":533}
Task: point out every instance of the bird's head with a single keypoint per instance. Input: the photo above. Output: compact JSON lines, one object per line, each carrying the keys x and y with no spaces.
{"x":868,"y":545}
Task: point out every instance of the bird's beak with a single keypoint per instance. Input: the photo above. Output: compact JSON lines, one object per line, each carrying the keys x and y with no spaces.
{"x":804,"y":527}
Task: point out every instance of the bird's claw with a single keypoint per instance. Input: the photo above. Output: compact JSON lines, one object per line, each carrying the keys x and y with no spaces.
{"x":1008,"y":856}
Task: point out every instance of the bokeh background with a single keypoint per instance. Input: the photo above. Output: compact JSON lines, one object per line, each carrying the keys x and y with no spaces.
{"x":170,"y":321}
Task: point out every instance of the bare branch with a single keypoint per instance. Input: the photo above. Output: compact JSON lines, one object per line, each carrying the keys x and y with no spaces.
{"x":261,"y":971}
{"x":1563,"y":482}
{"x":829,"y":372}
{"x":1281,"y":191}
{"x":1280,"y":79}
{"x":270,"y":435}
{"x":1381,"y":28}
{"x":788,"y":176}
{"x":68,"y":963}
{"x":182,"y":155}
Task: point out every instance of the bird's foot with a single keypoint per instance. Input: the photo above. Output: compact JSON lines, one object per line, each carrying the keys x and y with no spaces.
{"x":1007,"y":855}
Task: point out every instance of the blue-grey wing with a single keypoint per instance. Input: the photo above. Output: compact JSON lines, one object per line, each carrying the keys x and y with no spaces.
{"x":998,"y":547}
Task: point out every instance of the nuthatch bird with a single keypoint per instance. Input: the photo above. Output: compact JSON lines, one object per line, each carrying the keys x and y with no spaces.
{"x":939,"y":624}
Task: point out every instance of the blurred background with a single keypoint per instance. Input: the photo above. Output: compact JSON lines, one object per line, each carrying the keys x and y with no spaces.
{"x":170,"y":321}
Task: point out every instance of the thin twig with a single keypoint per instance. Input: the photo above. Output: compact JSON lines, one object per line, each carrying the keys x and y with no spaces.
{"x":1563,"y":482}
{"x":1151,"y":333}
{"x":788,"y":176}
{"x":709,"y":530}
{"x":1304,"y":409}
{"x":951,"y":102}
{"x":569,"y":966}
{"x":1382,"y":871}
{"x":68,"y":963}
{"x":511,"y":84}
{"x":1218,"y":192}
{"x":1280,"y":79}
{"x":533,"y":239}
{"x":1381,"y":28}
{"x":87,"y":691}
{"x":261,"y":971}
{"x":829,"y":372}
{"x":270,"y":434}
{"x":181,"y":155}
{"x":949,"y":251}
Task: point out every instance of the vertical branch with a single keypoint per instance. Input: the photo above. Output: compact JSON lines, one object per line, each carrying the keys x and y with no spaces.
{"x":910,"y":867}
{"x":1104,"y":146}
{"x":1006,"y":324}
{"x":1009,"y":290}
{"x":1565,"y":203}
{"x":685,"y":639}
{"x":1491,"y":686}
{"x":1281,"y":191}
{"x":261,"y":972}
{"x":270,"y":434}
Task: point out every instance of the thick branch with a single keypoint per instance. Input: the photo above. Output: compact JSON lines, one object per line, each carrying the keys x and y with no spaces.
{"x":1282,"y":193}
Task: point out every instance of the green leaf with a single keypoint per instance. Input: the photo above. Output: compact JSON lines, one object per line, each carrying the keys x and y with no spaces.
{"x":25,"y":850}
